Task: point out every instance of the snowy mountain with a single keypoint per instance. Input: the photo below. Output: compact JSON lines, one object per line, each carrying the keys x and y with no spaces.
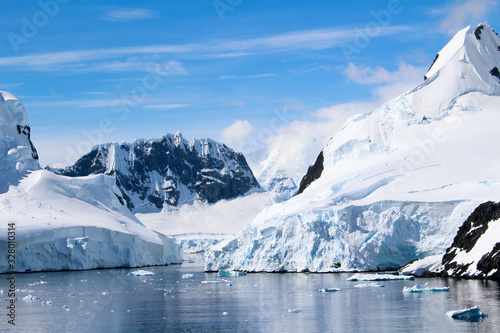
{"x":169,"y":171}
{"x":274,"y":178}
{"x":392,"y":185}
{"x":62,"y":223}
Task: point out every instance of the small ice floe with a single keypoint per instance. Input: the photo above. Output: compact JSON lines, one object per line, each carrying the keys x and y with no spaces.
{"x":30,"y":297}
{"x":369,"y":285}
{"x":46,"y":302}
{"x":231,"y":273}
{"x":211,"y":282}
{"x":224,"y":313}
{"x":187,"y":276}
{"x":293,"y":311}
{"x":417,"y":289}
{"x":467,"y":314}
{"x":329,"y":290}
{"x":72,"y":295}
{"x":65,"y":307}
{"x":140,"y":272}
{"x":379,"y":277}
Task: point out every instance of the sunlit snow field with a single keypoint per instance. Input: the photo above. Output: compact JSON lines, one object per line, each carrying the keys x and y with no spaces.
{"x":111,"y":301}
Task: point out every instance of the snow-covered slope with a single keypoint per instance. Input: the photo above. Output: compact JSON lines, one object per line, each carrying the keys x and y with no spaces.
{"x":63,"y":223}
{"x":396,"y":183}
{"x":169,"y":171}
{"x":17,"y":153}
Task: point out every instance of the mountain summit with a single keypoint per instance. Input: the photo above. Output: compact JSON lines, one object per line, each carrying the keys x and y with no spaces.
{"x":394,"y":184}
{"x":169,"y":171}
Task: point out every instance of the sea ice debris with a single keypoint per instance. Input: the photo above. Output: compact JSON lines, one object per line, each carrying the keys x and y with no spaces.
{"x":140,"y":272}
{"x":369,"y":285}
{"x":329,"y":290}
{"x":379,"y":277}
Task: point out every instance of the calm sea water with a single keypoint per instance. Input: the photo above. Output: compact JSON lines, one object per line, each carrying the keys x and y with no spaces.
{"x":111,"y":301}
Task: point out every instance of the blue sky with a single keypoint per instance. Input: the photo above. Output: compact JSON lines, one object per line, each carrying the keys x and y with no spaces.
{"x":249,"y":73}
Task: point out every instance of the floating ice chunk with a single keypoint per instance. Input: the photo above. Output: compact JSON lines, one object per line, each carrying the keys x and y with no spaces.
{"x":329,"y":290}
{"x":369,"y":285}
{"x":437,"y":289}
{"x":224,"y":313}
{"x":65,"y":307}
{"x":30,"y":297}
{"x":293,"y":311}
{"x":231,"y":273}
{"x":140,"y":272}
{"x":211,"y":282}
{"x":379,"y":277}
{"x":417,"y":289}
{"x":187,"y":276}
{"x":467,"y":314}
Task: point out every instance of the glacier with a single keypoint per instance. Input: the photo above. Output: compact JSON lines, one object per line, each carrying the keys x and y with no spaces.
{"x":63,"y":223}
{"x":396,"y":183}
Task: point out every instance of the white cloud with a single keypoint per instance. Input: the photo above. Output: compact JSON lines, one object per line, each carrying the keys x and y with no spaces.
{"x":470,"y":12}
{"x":386,"y":84}
{"x":298,"y":40}
{"x":236,"y":134}
{"x":289,"y":144}
{"x":130,"y":14}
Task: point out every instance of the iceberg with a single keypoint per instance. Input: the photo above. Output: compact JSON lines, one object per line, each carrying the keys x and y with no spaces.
{"x":140,"y":272}
{"x":187,"y":276}
{"x":378,"y":277}
{"x":64,"y":223}
{"x":467,"y":314}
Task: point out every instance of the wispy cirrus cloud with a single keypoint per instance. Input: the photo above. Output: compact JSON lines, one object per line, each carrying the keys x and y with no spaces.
{"x":256,"y":76}
{"x":112,"y":58}
{"x":463,"y":13}
{"x":130,"y":14}
{"x":165,"y":106}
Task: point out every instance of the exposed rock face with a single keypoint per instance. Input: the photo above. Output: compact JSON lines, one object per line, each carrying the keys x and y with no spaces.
{"x":169,"y":171}
{"x":475,"y":251}
{"x":313,"y":173}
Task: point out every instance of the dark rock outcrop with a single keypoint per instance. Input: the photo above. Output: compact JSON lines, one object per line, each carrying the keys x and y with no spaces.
{"x":313,"y":173}
{"x":466,"y":239}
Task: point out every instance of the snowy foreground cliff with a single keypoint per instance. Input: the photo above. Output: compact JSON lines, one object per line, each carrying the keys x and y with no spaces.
{"x":392,"y":185}
{"x":64,"y":223}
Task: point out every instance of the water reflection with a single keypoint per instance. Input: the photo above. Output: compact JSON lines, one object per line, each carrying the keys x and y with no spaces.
{"x":111,"y":301}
